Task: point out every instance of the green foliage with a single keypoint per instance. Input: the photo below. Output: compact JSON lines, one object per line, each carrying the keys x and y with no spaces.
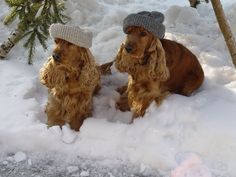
{"x":35,"y":18}
{"x":11,"y":16}
{"x":12,"y":3}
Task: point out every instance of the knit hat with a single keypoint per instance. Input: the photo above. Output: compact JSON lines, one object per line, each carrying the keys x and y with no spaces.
{"x":72,"y":34}
{"x":151,"y":21}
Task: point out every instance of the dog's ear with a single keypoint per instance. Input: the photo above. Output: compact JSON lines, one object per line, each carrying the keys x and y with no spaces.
{"x":119,"y":61}
{"x":81,"y":55}
{"x":157,"y":60}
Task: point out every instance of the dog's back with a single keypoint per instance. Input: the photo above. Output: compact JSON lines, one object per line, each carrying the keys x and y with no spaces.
{"x":186,"y":74}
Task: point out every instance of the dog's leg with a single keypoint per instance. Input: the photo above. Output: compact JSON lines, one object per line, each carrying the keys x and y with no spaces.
{"x":78,"y":119}
{"x":77,"y":108}
{"x":139,"y":109}
{"x":76,"y":123}
{"x":161,"y":97}
{"x":139,"y":105}
{"x":191,"y":84}
{"x":54,"y":113}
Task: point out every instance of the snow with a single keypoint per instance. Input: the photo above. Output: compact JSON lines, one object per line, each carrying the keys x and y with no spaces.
{"x":72,"y":169}
{"x":190,"y":166}
{"x":20,"y":156}
{"x":84,"y":173}
{"x":183,"y":15}
{"x":184,"y":137}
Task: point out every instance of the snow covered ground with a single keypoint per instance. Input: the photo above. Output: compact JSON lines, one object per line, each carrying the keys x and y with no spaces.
{"x":184,"y":137}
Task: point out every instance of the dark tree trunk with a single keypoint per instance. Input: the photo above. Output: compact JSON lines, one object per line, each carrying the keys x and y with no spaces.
{"x":194,"y":3}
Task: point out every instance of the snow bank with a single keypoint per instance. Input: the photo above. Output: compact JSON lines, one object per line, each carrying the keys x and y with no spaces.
{"x":202,"y":127}
{"x":182,"y":15}
{"x":230,"y":12}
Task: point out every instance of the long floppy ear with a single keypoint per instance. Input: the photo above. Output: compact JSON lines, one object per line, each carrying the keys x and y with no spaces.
{"x":119,"y":63}
{"x":52,"y":75}
{"x":158,"y":68}
{"x":89,"y":76}
{"x":83,"y":55}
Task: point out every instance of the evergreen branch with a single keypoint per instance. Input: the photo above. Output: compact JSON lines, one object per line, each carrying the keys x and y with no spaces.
{"x":12,"y":3}
{"x":44,"y":29}
{"x":31,"y":53}
{"x":22,"y":13}
{"x":65,"y":18}
{"x":25,"y":34}
{"x":42,"y":39}
{"x":11,"y":16}
{"x":35,"y":18}
{"x":24,"y":25}
{"x":30,"y":44}
{"x":56,"y":12}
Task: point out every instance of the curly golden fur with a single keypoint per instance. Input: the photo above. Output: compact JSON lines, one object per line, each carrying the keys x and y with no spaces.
{"x":156,"y":67}
{"x":72,"y":78}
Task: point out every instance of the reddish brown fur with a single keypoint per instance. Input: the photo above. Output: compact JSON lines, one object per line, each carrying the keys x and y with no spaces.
{"x":186,"y":74}
{"x":71,"y":82}
{"x":155,"y":67}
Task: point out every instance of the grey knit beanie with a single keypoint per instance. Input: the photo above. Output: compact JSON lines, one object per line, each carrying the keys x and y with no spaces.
{"x":151,"y":21}
{"x":72,"y":34}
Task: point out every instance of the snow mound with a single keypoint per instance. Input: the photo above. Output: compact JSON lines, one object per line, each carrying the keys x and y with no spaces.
{"x":202,"y":125}
{"x":230,"y":12}
{"x":182,"y":15}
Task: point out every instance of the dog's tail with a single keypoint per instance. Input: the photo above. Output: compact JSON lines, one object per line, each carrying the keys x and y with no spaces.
{"x":105,"y":68}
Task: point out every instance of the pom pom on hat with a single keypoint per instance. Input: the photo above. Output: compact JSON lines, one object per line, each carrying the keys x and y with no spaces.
{"x":151,"y":21}
{"x":72,"y":34}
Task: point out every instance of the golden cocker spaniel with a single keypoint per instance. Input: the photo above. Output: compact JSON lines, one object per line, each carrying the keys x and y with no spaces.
{"x":72,"y":78}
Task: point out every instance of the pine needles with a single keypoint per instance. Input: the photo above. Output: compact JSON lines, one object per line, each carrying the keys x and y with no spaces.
{"x":35,"y":18}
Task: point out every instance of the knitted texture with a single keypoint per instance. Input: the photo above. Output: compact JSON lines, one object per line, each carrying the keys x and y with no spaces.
{"x":151,"y":21}
{"x":72,"y":34}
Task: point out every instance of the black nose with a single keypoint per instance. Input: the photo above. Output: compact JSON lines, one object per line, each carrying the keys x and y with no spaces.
{"x":128,"y":48}
{"x":56,"y":56}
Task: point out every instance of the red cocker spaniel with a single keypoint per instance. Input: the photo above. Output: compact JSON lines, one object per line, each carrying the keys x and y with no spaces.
{"x":155,"y":67}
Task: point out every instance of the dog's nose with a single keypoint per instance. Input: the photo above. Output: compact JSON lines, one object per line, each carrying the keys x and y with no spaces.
{"x":128,"y":48}
{"x":56,"y":56}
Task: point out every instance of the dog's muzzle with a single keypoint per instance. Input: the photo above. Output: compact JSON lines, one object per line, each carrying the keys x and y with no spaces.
{"x":128,"y":48}
{"x":56,"y":56}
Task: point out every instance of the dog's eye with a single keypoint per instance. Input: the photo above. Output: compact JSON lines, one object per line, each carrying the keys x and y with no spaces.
{"x":143,"y":33}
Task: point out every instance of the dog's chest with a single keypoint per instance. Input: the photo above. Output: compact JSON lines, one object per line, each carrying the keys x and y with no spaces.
{"x":142,"y":86}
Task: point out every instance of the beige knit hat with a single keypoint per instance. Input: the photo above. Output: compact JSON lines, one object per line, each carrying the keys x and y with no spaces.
{"x":72,"y":34}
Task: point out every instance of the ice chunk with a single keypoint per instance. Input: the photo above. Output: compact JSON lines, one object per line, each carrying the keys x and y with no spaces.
{"x":20,"y":156}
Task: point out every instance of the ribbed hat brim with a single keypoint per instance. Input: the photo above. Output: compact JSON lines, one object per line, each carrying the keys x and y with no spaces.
{"x":74,"y":35}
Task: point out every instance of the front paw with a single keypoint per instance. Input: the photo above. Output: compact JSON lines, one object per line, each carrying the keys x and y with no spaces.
{"x":137,"y":114}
